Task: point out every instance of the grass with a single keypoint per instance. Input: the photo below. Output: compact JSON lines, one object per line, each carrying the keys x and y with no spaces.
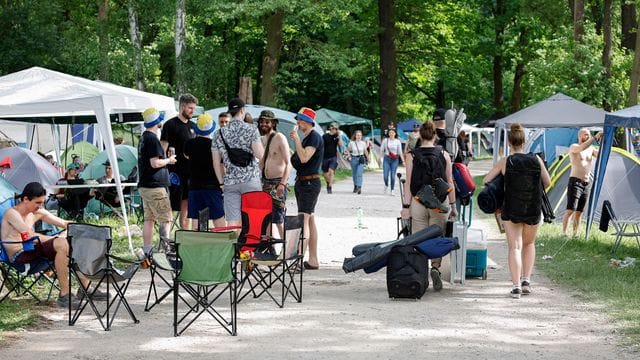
{"x":584,"y":265}
{"x":18,"y":314}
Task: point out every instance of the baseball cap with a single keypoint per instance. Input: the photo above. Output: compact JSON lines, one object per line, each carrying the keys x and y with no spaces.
{"x":438,"y":114}
{"x":235,"y":104}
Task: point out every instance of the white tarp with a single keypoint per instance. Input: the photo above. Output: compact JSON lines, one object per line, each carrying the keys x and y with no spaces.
{"x":46,"y":94}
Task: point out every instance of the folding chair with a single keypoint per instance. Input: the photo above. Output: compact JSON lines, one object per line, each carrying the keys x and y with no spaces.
{"x":21,"y":279}
{"x":206,"y":273}
{"x":90,"y":257}
{"x":264,"y":270}
{"x":620,"y":226}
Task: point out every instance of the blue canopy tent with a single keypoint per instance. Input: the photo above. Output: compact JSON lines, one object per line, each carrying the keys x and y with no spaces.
{"x":625,"y":118}
{"x":407,"y":126}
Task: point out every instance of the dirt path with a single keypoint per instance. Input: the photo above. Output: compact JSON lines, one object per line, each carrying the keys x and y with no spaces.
{"x":349,"y":316}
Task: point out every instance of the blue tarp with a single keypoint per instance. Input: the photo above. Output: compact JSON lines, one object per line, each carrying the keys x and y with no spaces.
{"x":407,"y":126}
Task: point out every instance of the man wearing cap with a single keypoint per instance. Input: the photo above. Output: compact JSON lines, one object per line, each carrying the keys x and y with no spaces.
{"x":307,"y":160}
{"x":275,"y":166}
{"x":154,"y":181}
{"x":331,"y":142}
{"x":175,"y":132}
{"x":237,"y":179}
{"x":441,"y":126}
{"x":108,"y":195}
{"x":204,"y":187}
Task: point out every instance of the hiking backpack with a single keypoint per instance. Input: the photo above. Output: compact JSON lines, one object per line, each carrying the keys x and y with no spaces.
{"x":406,"y":272}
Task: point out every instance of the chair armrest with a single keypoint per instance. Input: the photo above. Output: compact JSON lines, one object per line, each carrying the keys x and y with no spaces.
{"x":128,"y":261}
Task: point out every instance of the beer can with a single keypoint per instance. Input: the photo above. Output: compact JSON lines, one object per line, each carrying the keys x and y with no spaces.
{"x":171,"y":151}
{"x":24,"y":235}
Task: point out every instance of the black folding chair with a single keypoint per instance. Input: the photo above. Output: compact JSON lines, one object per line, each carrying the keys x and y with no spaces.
{"x":620,"y":227}
{"x":90,"y":257}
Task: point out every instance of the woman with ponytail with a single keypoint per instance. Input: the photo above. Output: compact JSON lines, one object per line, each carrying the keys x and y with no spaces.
{"x":525,"y":178}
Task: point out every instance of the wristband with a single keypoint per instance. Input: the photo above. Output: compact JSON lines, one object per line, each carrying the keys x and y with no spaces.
{"x":452,"y":203}
{"x":406,"y":206}
{"x":285,"y":185}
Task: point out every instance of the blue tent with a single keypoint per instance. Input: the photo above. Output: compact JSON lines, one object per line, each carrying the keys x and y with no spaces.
{"x":553,"y":139}
{"x":625,"y":118}
{"x":407,"y":126}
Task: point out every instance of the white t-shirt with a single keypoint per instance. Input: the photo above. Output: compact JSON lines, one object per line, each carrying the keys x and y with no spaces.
{"x":394,"y":146}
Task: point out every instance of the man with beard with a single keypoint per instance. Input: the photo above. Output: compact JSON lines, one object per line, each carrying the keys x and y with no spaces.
{"x":275,"y":166}
{"x":175,"y":132}
{"x":331,"y":141}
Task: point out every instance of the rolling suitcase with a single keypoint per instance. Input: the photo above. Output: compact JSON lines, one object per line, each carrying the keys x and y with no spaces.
{"x":406,"y":273}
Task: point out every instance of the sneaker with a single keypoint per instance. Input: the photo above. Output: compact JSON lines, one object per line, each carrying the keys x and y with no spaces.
{"x":63,"y":302}
{"x":329,"y":190}
{"x":167,"y":246}
{"x":393,"y":192}
{"x":359,"y":190}
{"x":386,"y":189}
{"x":526,"y":288}
{"x":436,"y":279}
{"x":515,"y":293}
{"x":97,"y":295}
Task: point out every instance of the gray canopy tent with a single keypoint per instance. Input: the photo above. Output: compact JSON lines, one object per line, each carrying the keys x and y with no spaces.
{"x":558,"y":111}
{"x":39,"y":95}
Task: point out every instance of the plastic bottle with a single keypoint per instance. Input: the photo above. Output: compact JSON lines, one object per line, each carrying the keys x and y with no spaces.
{"x":359,"y":215}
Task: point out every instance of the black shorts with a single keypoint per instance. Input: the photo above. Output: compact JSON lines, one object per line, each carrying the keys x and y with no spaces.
{"x":307,"y":192}
{"x":177,"y":193}
{"x":329,"y":163}
{"x":577,"y":193}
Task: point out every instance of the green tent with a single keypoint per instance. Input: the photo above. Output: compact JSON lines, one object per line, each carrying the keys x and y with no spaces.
{"x":127,"y":160}
{"x":324,"y":117}
{"x":85,"y":150}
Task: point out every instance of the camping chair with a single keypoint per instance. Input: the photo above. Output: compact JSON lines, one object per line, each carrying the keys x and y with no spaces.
{"x":20,"y":279}
{"x":620,"y":226}
{"x":206,"y":273}
{"x":90,"y":257}
{"x":75,"y":200}
{"x":264,"y":270}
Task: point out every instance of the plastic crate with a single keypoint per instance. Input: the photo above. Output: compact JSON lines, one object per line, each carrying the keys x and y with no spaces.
{"x":477,"y":263}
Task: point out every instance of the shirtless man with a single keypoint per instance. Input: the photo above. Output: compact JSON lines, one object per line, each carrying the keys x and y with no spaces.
{"x":581,"y":156}
{"x":20,"y":219}
{"x":274,"y":165}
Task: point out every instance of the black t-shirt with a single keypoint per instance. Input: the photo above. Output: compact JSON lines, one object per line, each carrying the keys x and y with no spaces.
{"x":202,"y":175}
{"x":312,"y":166}
{"x":176,"y":133}
{"x":148,"y":149}
{"x":330,"y":145}
{"x":442,"y":138}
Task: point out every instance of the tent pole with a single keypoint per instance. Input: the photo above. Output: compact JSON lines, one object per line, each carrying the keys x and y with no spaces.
{"x":55,"y":133}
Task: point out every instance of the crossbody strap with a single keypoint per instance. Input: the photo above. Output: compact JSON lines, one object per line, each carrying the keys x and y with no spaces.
{"x":266,"y":154}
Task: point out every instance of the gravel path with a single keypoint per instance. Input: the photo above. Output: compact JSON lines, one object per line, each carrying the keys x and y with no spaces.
{"x":349,"y":316}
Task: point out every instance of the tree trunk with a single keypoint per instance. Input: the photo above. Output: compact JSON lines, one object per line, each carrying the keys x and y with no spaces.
{"x":578,"y":20}
{"x":245,"y":93}
{"x":439,"y":96}
{"x":134,"y":33}
{"x":597,"y":14}
{"x":498,"y":96}
{"x":635,"y":74}
{"x":606,"y":51}
{"x":181,"y":81}
{"x":271,"y":57}
{"x":571,"y":5}
{"x":388,"y":64}
{"x":629,"y":25}
{"x":103,"y":38}
{"x":516,"y":95}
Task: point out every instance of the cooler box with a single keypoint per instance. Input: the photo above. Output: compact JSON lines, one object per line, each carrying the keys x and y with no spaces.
{"x":476,"y":264}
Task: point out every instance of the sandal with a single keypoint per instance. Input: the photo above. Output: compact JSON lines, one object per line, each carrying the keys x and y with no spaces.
{"x":308,"y":266}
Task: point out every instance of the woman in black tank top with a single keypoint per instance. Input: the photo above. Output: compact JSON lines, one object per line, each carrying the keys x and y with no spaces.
{"x":525,"y":177}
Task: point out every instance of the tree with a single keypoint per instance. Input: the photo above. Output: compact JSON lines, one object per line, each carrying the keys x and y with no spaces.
{"x":134,"y":33}
{"x":388,"y":65}
{"x":500,"y":23}
{"x":271,"y":57}
{"x":578,"y":20}
{"x":629,"y":24}
{"x":606,"y":51}
{"x":181,"y":14}
{"x":103,"y":36}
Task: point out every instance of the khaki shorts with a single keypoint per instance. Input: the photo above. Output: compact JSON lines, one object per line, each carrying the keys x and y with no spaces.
{"x":156,"y":204}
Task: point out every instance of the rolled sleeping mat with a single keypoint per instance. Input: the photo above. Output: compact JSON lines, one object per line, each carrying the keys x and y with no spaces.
{"x":492,"y":195}
{"x":380,"y":251}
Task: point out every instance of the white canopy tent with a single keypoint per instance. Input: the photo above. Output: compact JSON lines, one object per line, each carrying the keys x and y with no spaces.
{"x":39,"y":95}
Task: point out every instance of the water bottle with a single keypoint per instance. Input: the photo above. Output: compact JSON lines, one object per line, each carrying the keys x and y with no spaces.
{"x":144,"y":260}
{"x":359,"y":214}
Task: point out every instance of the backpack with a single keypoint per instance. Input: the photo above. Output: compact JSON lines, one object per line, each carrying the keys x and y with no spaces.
{"x":427,"y":168}
{"x":406,"y":272}
{"x":465,"y":186}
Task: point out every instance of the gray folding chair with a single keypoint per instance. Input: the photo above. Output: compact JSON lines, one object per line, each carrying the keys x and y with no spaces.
{"x":621,"y":227}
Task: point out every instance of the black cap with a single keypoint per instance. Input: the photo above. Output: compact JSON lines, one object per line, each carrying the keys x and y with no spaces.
{"x":235,"y":104}
{"x":438,"y":114}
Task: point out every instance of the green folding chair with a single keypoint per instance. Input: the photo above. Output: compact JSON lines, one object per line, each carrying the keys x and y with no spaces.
{"x":206,"y":274}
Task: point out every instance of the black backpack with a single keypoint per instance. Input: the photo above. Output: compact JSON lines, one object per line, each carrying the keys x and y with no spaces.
{"x":406,"y":272}
{"x":428,"y":165}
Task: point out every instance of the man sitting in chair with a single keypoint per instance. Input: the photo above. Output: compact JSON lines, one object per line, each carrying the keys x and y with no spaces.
{"x":73,"y":201}
{"x":108,"y":195}
{"x":20,"y":219}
